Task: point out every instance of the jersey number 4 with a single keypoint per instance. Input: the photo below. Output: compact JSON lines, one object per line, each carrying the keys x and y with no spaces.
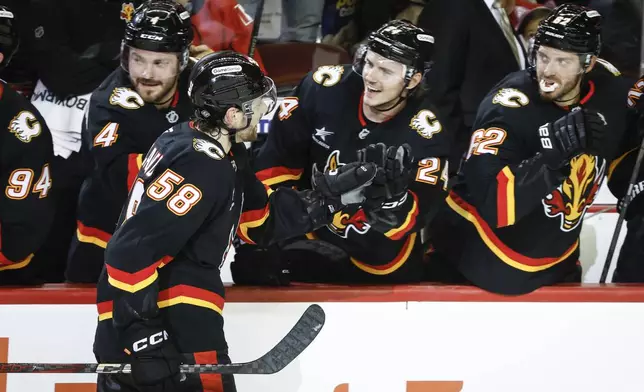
{"x":181,"y":201}
{"x":107,"y":136}
{"x":19,"y":184}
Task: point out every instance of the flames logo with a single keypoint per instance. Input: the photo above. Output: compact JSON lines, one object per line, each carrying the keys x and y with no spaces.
{"x":571,"y":199}
{"x":346,"y":220}
{"x":511,"y":98}
{"x":127,"y":10}
{"x":25,"y":126}
{"x":426,"y":124}
{"x":126,"y":98}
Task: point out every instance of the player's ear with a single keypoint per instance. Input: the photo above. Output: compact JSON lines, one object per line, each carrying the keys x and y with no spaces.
{"x":1,"y":57}
{"x":414,"y":81}
{"x":593,"y":61}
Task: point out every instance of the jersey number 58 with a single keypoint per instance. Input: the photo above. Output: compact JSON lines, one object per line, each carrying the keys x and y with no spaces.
{"x":181,"y":201}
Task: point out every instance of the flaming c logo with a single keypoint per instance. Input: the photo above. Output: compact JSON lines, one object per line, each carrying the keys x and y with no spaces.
{"x":348,"y":219}
{"x":571,"y":199}
{"x":127,"y":10}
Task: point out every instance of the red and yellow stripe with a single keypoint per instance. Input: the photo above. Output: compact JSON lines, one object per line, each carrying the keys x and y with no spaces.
{"x":276,"y":175}
{"x":6,"y":264}
{"x":505,"y":198}
{"x":502,"y":251}
{"x":616,"y":162}
{"x":91,"y":235}
{"x":134,"y":163}
{"x":135,"y":281}
{"x":392,"y":266}
{"x":176,"y":295}
{"x":253,"y":218}
{"x":410,"y":221}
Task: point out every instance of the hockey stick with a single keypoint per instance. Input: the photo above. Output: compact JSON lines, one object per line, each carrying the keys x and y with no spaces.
{"x":290,"y":347}
{"x":622,"y":214}
{"x":258,"y":21}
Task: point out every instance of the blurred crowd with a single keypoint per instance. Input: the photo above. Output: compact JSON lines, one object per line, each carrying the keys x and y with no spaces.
{"x":68,"y":48}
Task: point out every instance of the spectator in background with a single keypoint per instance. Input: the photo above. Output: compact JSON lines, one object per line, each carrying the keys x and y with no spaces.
{"x":288,"y":20}
{"x":220,"y":25}
{"x":528,"y":24}
{"x":26,"y":208}
{"x":477,"y":47}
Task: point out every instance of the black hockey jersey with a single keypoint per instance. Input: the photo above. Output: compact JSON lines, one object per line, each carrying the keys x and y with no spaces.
{"x":27,"y":206}
{"x":174,"y":234}
{"x":323,"y":124}
{"x":120,"y":127}
{"x":518,"y":222}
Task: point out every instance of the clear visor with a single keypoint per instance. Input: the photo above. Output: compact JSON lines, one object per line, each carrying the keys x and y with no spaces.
{"x":550,"y":61}
{"x":265,"y":103}
{"x":377,"y":68}
{"x":148,"y":65}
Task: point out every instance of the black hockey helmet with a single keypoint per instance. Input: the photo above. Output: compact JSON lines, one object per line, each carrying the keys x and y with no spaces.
{"x":9,"y":39}
{"x":400,"y":41}
{"x":159,"y":26}
{"x":571,"y":28}
{"x":228,"y":79}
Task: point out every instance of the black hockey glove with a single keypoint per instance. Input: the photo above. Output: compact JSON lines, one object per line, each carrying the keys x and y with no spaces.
{"x":564,"y":139}
{"x":596,"y":132}
{"x":336,"y":189}
{"x":389,"y":188}
{"x":155,"y":359}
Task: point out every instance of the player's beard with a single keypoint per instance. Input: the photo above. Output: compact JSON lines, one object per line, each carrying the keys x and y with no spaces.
{"x":561,"y":91}
{"x":249,"y":134}
{"x":155,"y":91}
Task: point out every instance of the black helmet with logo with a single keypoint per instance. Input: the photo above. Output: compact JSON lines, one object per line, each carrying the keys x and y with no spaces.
{"x":228,"y":79}
{"x":9,"y":40}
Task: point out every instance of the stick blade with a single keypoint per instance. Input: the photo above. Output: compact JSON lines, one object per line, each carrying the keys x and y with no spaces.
{"x":290,"y":347}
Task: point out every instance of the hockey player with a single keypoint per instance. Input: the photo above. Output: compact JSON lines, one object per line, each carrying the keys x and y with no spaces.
{"x":131,"y":108}
{"x":26,"y":204}
{"x":160,"y":293}
{"x":336,"y":112}
{"x":629,"y":268}
{"x":538,"y":153}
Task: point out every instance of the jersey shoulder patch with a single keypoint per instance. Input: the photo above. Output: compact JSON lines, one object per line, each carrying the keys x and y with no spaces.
{"x":510,"y":98}
{"x":126,"y":98}
{"x":211,"y":149}
{"x":25,"y":126}
{"x":328,"y":75}
{"x":426,"y":124}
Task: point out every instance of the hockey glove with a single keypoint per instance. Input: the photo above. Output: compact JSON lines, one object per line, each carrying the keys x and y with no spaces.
{"x":564,"y":139}
{"x":390,"y":185}
{"x":596,"y":132}
{"x":155,"y":359}
{"x":389,"y":188}
{"x":336,"y":189}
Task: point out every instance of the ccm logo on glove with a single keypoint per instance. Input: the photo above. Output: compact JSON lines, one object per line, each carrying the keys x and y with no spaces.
{"x":151,"y":340}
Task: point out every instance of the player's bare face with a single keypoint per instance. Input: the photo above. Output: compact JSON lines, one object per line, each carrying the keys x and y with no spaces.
{"x":153,"y":74}
{"x":384,"y":80}
{"x":558,"y":73}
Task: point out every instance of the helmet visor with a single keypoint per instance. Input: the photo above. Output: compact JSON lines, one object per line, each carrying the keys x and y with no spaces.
{"x":377,"y":68}
{"x":265,"y":103}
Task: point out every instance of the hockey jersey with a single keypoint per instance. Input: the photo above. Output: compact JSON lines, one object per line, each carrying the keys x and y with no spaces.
{"x":518,"y":222}
{"x":323,"y":125}
{"x":174,"y":234}
{"x":120,"y":127}
{"x":27,"y":205}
